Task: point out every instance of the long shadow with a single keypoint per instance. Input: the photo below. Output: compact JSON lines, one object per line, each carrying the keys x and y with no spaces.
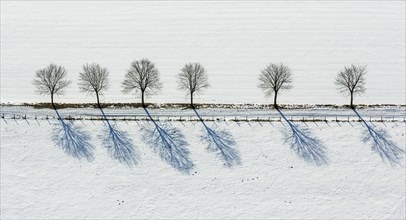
{"x":306,"y":147}
{"x":381,"y":143}
{"x":222,"y":143}
{"x":169,"y":143}
{"x":73,"y":140}
{"x":120,"y":147}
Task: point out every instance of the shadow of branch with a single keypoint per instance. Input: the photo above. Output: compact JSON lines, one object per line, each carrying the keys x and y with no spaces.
{"x":306,"y":147}
{"x":222,"y":143}
{"x":119,"y":145}
{"x":169,"y":143}
{"x":381,"y":143}
{"x":73,"y":140}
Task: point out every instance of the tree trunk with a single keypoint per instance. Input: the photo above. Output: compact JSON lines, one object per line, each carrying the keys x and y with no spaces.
{"x":142,"y":99}
{"x":52,"y":101}
{"x":274,"y":100}
{"x":351,"y":102}
{"x":98,"y":100}
{"x":191,"y":100}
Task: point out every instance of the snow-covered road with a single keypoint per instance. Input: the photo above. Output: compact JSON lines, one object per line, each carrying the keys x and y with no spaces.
{"x":384,"y":113}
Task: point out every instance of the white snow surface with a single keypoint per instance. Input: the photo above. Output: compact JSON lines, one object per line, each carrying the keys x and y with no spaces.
{"x":234,"y":40}
{"x":38,"y":180}
{"x":375,"y":113}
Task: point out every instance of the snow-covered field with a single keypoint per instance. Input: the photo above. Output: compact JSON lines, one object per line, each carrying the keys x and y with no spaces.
{"x":233,"y":40}
{"x":39,"y":180}
{"x":217,"y":163}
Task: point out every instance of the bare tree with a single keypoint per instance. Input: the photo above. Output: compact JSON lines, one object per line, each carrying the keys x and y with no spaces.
{"x":51,"y":80}
{"x":351,"y":81}
{"x":142,"y":76}
{"x":193,"y":78}
{"x":275,"y":78}
{"x":94,"y":79}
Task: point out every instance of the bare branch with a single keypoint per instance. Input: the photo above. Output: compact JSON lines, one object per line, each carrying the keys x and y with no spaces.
{"x":93,"y":79}
{"x":193,"y":78}
{"x":351,"y":80}
{"x":142,"y":76}
{"x":50,"y":80}
{"x":274,"y":78}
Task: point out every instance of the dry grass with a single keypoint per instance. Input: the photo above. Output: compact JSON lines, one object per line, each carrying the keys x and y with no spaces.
{"x":199,"y":106}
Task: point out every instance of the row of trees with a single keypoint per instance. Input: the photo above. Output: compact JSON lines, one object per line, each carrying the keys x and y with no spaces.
{"x":276,"y":77}
{"x":143,"y":78}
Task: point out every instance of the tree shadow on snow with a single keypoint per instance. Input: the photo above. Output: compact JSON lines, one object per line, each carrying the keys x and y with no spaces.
{"x":306,"y":147}
{"x":119,"y":145}
{"x":73,"y":140}
{"x":169,"y":143}
{"x":381,"y":143}
{"x":222,"y":143}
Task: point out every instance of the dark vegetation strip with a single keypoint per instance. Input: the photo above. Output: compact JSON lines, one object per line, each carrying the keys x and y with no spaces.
{"x":199,"y":106}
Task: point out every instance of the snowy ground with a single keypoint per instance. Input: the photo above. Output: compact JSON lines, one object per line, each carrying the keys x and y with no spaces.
{"x":385,"y":113}
{"x":234,"y":40}
{"x":39,"y":180}
{"x":267,"y":176}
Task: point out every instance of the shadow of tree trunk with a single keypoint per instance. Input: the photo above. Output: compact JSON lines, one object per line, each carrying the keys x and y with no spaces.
{"x":169,"y":143}
{"x":305,"y":146}
{"x":73,"y":140}
{"x":222,"y":143}
{"x":381,"y":143}
{"x":119,"y":145}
